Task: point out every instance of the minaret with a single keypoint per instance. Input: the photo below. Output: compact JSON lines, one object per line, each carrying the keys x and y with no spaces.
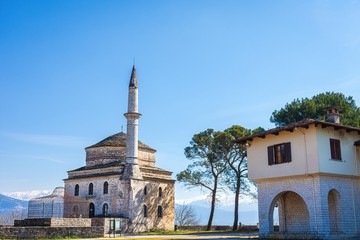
{"x":132,"y":170}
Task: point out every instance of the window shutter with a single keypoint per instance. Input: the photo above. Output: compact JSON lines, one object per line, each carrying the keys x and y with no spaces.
{"x":287,"y":152}
{"x":338,"y":150}
{"x":271,"y":155}
{"x":335,"y":149}
{"x":332,"y":148}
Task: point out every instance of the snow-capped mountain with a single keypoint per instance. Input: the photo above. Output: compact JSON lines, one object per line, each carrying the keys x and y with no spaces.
{"x":223,"y":217}
{"x":224,"y":209}
{"x":27,"y":195}
{"x":224,"y":202}
{"x":9,"y":204}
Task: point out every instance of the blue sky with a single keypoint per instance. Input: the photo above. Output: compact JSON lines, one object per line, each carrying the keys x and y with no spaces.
{"x":65,"y":67}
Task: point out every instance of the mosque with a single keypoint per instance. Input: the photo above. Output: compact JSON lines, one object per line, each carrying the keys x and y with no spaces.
{"x":120,"y":180}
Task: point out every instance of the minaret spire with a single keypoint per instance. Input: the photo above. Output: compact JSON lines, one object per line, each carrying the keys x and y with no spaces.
{"x":133,"y":79}
{"x":132,"y":170}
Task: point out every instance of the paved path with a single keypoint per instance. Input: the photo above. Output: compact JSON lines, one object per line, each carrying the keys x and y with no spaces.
{"x":191,"y":236}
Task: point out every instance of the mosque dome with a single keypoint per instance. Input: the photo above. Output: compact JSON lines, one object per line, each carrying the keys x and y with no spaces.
{"x":117,"y":140}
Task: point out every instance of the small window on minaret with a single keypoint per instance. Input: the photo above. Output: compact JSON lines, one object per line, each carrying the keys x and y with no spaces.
{"x":145,"y":190}
{"x":160,"y":212}
{"x":145,"y":210}
{"x":160,"y":192}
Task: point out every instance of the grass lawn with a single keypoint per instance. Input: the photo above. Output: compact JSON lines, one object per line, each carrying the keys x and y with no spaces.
{"x":182,"y":232}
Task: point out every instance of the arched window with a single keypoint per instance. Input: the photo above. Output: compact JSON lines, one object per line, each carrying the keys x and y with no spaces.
{"x":145,"y":190}
{"x":145,"y":210}
{"x":160,"y":212}
{"x":160,"y":191}
{"x":106,"y":187}
{"x":76,"y":193}
{"x":91,"y":210}
{"x":91,"y":189}
{"x":105,"y":209}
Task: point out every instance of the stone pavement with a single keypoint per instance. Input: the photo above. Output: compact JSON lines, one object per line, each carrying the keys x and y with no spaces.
{"x":225,"y":235}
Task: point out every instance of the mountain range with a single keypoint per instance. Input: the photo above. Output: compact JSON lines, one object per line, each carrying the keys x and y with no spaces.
{"x":223,"y":217}
{"x":223,"y":213}
{"x":8,"y":204}
{"x":27,"y":195}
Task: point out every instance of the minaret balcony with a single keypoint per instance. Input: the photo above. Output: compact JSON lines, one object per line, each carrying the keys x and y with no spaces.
{"x":132,"y":115}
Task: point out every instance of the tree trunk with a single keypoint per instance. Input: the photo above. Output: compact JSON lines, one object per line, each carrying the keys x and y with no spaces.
{"x":236,"y":211}
{"x":213,"y":200}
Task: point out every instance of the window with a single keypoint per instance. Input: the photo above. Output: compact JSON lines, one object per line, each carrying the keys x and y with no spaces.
{"x":145,"y":190}
{"x":91,"y":189}
{"x":160,"y":191}
{"x":335,"y":149}
{"x":160,"y":212}
{"x":76,"y":193}
{"x":106,"y":187}
{"x":105,"y":209}
{"x":91,"y":210}
{"x":145,"y":211}
{"x":279,"y":153}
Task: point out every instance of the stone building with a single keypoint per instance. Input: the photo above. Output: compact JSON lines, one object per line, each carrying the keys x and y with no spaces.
{"x":120,"y":179}
{"x":308,"y":174}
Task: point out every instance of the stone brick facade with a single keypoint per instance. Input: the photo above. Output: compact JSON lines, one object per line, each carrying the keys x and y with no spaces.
{"x":308,"y":207}
{"x":309,"y":173}
{"x":50,"y":232}
{"x":64,"y":227}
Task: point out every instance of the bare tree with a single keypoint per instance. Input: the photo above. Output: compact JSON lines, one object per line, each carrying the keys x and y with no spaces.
{"x":185,"y":216}
{"x":8,"y":218}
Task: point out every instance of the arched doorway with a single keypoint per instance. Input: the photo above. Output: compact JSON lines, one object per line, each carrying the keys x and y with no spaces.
{"x":334,"y":211}
{"x":292,"y":213}
{"x":91,"y":210}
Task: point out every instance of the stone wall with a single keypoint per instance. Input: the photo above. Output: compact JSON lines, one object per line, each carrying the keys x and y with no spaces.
{"x":54,"y":222}
{"x":64,"y":227}
{"x":116,"y":198}
{"x":243,"y":228}
{"x":50,"y":232}
{"x":313,"y":198}
{"x":152,"y":201}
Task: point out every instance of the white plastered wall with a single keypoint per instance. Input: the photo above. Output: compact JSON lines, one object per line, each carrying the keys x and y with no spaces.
{"x":303,"y":154}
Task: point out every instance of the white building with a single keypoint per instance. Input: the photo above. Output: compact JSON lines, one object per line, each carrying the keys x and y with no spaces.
{"x":309,"y":171}
{"x":51,"y":206}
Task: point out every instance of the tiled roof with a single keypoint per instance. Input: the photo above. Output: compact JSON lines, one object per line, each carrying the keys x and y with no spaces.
{"x":304,"y":124}
{"x":118,"y":140}
{"x":102,"y":166}
{"x":94,"y":175}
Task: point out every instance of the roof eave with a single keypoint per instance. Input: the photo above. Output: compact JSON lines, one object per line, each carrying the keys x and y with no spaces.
{"x":291,"y":128}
